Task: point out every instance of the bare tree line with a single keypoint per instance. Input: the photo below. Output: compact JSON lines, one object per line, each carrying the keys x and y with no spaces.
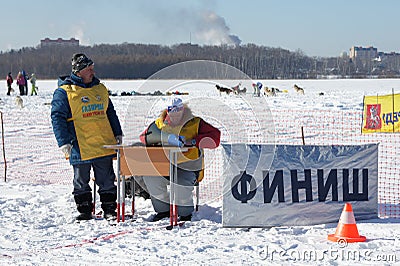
{"x":139,"y":61}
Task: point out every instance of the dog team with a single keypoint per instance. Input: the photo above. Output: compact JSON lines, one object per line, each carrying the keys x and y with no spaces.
{"x":235,"y":90}
{"x":258,"y":87}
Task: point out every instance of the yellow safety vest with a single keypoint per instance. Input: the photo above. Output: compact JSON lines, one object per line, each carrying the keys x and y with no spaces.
{"x":92,"y":127}
{"x":189,"y":131}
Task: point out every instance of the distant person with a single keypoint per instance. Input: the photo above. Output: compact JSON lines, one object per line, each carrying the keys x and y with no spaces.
{"x":84,"y":120}
{"x":21,"y":83}
{"x":26,"y":82}
{"x":178,"y":124}
{"x":257,"y":89}
{"x":33,"y":82}
{"x":10,"y":81}
{"x":254,"y":89}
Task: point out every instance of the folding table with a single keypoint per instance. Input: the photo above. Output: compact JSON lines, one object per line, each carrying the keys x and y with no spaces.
{"x":133,"y":160}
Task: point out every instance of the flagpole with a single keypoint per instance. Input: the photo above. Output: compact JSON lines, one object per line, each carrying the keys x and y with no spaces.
{"x":393,"y":108}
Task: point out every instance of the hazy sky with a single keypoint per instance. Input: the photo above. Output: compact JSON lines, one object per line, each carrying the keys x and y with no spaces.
{"x":316,"y":27}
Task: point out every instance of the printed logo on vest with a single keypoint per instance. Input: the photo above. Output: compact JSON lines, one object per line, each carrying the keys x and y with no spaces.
{"x":85,"y":99}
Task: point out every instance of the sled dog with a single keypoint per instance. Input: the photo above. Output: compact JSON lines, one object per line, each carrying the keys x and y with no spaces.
{"x":298,"y":89}
{"x":269,"y":92}
{"x":223,"y":89}
{"x":19,"y":102}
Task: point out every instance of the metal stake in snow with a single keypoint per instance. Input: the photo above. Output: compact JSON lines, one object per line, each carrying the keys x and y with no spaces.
{"x":4,"y":151}
{"x":302,"y":136}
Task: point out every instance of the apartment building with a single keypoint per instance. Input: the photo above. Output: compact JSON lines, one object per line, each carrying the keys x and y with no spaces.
{"x":363,"y":53}
{"x":47,"y":42}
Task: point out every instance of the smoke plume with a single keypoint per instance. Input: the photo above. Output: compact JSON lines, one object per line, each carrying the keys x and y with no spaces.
{"x":212,"y":29}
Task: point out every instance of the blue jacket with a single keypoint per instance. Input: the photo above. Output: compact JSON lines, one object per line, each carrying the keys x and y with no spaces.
{"x":60,"y":111}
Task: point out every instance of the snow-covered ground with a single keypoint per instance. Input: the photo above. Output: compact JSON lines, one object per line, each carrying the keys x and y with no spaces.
{"x":37,"y":209}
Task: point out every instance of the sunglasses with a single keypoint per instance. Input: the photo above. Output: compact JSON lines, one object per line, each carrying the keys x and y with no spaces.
{"x":174,"y":109}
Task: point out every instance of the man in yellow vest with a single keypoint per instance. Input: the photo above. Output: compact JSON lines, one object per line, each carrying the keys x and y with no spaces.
{"x":84,"y":120}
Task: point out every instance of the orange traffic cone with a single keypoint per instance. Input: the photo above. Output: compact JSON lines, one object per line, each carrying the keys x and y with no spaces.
{"x":347,"y":228}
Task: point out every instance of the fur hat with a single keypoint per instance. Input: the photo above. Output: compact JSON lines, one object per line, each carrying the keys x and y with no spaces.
{"x":79,"y":62}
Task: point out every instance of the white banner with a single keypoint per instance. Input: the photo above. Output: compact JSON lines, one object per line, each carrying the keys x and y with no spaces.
{"x":266,"y":185}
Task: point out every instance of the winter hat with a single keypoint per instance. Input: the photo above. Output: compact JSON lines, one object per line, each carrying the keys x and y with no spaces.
{"x":176,"y":105}
{"x":79,"y":62}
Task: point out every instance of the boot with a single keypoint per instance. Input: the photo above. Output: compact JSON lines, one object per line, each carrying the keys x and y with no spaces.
{"x":140,"y":188}
{"x":128,"y":190}
{"x":185,"y":218}
{"x":84,"y":205}
{"x":109,"y":205}
{"x":84,"y":216}
{"x":160,"y":215}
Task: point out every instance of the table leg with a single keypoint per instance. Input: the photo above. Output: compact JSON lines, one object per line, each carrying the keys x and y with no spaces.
{"x":171,"y":183}
{"x":118,"y":186}
{"x":133,"y":187}
{"x":94,"y":198}
{"x":173,"y":208}
{"x":123,"y":198}
{"x":175,"y":186}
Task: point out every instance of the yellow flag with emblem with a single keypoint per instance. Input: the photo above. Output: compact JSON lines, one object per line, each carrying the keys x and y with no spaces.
{"x":381,"y":113}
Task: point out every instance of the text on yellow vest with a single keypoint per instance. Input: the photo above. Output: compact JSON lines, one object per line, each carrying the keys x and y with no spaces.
{"x":93,"y":130}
